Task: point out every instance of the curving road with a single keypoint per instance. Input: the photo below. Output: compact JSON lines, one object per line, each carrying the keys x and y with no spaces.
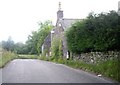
{"x":37,"y":71}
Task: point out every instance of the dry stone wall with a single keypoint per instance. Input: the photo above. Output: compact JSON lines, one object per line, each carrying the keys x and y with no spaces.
{"x":96,"y":57}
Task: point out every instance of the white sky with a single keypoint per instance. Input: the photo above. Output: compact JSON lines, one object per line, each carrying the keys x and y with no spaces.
{"x":19,"y":17}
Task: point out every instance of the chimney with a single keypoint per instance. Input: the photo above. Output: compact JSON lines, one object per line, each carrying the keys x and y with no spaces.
{"x":59,"y":12}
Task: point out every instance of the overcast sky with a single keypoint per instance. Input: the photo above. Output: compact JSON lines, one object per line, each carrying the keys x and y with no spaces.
{"x":19,"y":17}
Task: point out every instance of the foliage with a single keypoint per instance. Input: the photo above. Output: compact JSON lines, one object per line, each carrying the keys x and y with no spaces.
{"x":103,"y":68}
{"x":45,"y":52}
{"x":6,"y":57}
{"x":21,"y":48}
{"x":31,"y":43}
{"x":56,"y":47}
{"x":8,"y":45}
{"x":36,"y":39}
{"x":98,"y":32}
{"x":60,"y":49}
{"x":34,"y":42}
{"x":27,"y":56}
{"x":18,"y":47}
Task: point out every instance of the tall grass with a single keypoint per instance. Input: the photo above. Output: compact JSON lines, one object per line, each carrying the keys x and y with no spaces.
{"x":108,"y":68}
{"x":5,"y":57}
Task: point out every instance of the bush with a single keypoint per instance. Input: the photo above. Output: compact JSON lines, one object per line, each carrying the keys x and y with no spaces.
{"x":98,"y":32}
{"x":60,"y":60}
{"x":56,"y":48}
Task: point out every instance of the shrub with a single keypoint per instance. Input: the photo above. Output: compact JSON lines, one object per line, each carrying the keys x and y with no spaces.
{"x":98,"y":32}
{"x":56,"y":48}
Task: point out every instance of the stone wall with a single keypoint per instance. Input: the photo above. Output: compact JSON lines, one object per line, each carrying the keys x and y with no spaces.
{"x":95,"y":57}
{"x":46,"y":45}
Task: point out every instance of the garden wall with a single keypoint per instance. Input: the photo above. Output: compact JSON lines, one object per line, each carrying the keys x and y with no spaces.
{"x":95,"y":57}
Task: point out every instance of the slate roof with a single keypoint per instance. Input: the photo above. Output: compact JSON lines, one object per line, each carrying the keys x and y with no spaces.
{"x":66,"y":23}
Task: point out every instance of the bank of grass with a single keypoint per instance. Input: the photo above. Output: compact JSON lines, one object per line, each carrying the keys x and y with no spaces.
{"x":108,"y":68}
{"x":24,"y":56}
{"x":5,"y":57}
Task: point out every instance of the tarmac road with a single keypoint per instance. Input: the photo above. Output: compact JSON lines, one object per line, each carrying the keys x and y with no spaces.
{"x":37,"y":71}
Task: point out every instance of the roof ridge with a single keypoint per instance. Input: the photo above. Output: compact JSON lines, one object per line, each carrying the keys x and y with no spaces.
{"x":71,"y":19}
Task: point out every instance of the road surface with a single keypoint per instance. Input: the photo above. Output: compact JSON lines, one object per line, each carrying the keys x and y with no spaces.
{"x":37,"y":71}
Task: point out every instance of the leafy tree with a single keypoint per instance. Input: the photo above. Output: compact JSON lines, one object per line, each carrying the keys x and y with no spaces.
{"x":34,"y":42}
{"x":43,"y":32}
{"x":98,"y":32}
{"x":36,"y":39}
{"x":21,"y":48}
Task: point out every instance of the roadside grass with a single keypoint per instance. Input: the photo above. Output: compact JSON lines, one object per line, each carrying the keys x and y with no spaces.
{"x":108,"y":68}
{"x":5,"y":57}
{"x":27,"y":56}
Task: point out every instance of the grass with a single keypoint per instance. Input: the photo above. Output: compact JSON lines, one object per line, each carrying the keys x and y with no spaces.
{"x":6,"y":57}
{"x":108,"y":68}
{"x":27,"y":57}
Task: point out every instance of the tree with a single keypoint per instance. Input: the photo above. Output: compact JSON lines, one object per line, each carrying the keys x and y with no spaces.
{"x":43,"y":32}
{"x":98,"y":32}
{"x":21,"y":48}
{"x":8,"y":45}
{"x":36,"y":39}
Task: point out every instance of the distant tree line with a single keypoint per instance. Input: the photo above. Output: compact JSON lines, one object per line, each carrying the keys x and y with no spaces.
{"x":8,"y":45}
{"x":98,"y":32}
{"x":34,"y":42}
{"x":18,"y":47}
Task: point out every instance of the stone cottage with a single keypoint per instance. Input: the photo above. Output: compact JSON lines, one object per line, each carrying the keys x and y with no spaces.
{"x":62,"y":24}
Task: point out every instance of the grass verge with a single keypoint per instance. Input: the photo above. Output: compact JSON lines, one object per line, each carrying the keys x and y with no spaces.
{"x":5,"y":57}
{"x":27,"y":57}
{"x":108,"y":68}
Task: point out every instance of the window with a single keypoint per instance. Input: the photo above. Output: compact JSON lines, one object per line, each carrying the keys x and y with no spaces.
{"x":59,"y":24}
